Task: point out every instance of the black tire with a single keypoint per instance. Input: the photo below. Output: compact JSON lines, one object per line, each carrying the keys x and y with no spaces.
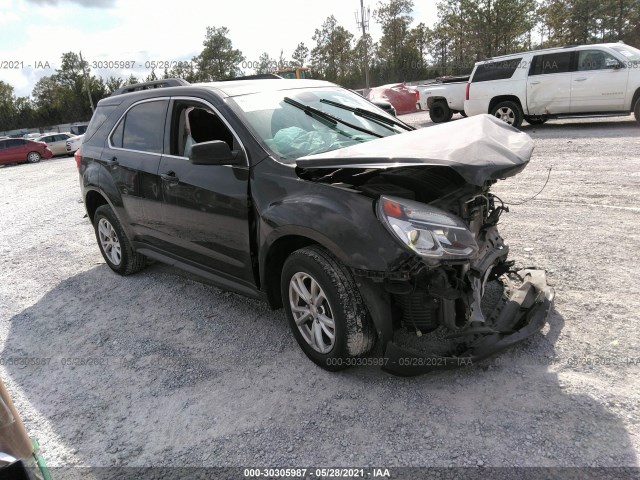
{"x":33,"y":157}
{"x":353,"y":331}
{"x":636,"y":111}
{"x":509,"y":112}
{"x":536,"y":120}
{"x":440,"y":112}
{"x":463,"y":113}
{"x":129,"y":262}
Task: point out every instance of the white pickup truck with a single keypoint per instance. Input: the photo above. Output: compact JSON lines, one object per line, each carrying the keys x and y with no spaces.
{"x":578,"y":81}
{"x":443,"y":97}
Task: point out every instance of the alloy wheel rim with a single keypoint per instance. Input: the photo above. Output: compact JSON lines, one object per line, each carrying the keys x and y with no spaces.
{"x":109,"y":241}
{"x":506,"y":115}
{"x":33,"y":157}
{"x":311,"y":312}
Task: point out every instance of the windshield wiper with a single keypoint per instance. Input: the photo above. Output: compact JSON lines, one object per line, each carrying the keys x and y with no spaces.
{"x":327,"y":118}
{"x":361,"y":112}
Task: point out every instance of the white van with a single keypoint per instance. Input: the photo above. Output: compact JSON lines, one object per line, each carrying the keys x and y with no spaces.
{"x":577,"y":81}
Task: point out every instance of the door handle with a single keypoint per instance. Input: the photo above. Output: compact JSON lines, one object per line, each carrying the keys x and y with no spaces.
{"x":169,"y":177}
{"x":536,"y":82}
{"x":580,"y":79}
{"x":112,"y":163}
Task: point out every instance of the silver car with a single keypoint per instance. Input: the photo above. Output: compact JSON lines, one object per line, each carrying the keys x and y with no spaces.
{"x":57,"y":142}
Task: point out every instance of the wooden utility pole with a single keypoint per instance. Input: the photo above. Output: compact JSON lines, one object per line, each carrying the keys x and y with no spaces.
{"x":87,"y":82}
{"x":362,"y":20}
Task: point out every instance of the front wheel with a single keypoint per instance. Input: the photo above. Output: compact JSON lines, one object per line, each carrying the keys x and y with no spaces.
{"x":114,"y":244}
{"x":326,"y":312}
{"x":440,"y":112}
{"x":33,"y":157}
{"x":509,"y":112}
{"x":636,"y":111}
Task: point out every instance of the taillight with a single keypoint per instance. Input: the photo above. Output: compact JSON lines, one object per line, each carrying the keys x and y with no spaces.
{"x":467,"y":94}
{"x":77,"y":157}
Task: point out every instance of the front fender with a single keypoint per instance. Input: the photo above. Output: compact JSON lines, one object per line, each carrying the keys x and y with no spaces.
{"x":343,"y":222}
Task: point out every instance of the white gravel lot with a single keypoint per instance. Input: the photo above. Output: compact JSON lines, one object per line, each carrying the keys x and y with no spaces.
{"x":157,"y":369}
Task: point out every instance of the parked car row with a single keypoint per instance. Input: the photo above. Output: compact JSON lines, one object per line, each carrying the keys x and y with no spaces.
{"x":22,"y":150}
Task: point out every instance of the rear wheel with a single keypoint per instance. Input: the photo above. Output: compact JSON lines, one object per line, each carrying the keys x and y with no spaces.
{"x":636,"y":111}
{"x":509,"y":112}
{"x":326,"y":312}
{"x":114,"y":244}
{"x":33,"y":157}
{"x":440,"y":112}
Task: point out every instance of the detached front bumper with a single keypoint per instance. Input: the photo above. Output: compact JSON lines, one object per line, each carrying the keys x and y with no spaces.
{"x":524,"y":314}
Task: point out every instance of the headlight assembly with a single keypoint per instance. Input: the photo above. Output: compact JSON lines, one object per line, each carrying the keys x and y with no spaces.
{"x":427,"y":230}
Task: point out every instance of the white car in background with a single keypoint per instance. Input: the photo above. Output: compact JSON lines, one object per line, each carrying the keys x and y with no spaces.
{"x":581,"y":81}
{"x":74,"y":143}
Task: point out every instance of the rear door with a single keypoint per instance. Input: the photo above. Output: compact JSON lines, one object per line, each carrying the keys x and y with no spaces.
{"x":132,"y":160}
{"x":549,"y":83}
{"x":206,"y":207}
{"x":599,"y":82}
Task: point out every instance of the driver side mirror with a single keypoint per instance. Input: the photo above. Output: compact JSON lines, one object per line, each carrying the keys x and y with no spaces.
{"x":215,"y":152}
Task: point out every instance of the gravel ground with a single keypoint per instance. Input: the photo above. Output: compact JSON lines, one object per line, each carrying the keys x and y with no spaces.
{"x":157,"y":369}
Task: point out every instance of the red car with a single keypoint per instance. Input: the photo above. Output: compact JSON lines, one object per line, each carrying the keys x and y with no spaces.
{"x":403,"y":98}
{"x":20,"y":150}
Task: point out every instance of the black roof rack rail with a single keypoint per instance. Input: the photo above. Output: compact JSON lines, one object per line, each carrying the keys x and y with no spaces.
{"x":167,"y":82}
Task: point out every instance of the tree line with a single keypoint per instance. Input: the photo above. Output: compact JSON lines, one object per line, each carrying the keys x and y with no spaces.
{"x":465,"y":31}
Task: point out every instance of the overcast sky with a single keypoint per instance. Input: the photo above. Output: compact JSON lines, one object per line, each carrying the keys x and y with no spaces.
{"x":33,"y":32}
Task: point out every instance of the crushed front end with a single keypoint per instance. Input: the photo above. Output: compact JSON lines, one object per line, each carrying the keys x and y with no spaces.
{"x":459,"y":299}
{"x":454,"y":298}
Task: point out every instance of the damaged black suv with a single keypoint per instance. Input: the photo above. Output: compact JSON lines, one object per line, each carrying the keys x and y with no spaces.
{"x":306,"y":195}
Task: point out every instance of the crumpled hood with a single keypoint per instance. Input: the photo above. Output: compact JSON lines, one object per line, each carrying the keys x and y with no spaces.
{"x":479,"y":148}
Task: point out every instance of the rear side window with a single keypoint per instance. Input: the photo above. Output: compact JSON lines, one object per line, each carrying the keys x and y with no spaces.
{"x":142,"y":128}
{"x":498,"y":70}
{"x":15,"y":142}
{"x":551,"y":63}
